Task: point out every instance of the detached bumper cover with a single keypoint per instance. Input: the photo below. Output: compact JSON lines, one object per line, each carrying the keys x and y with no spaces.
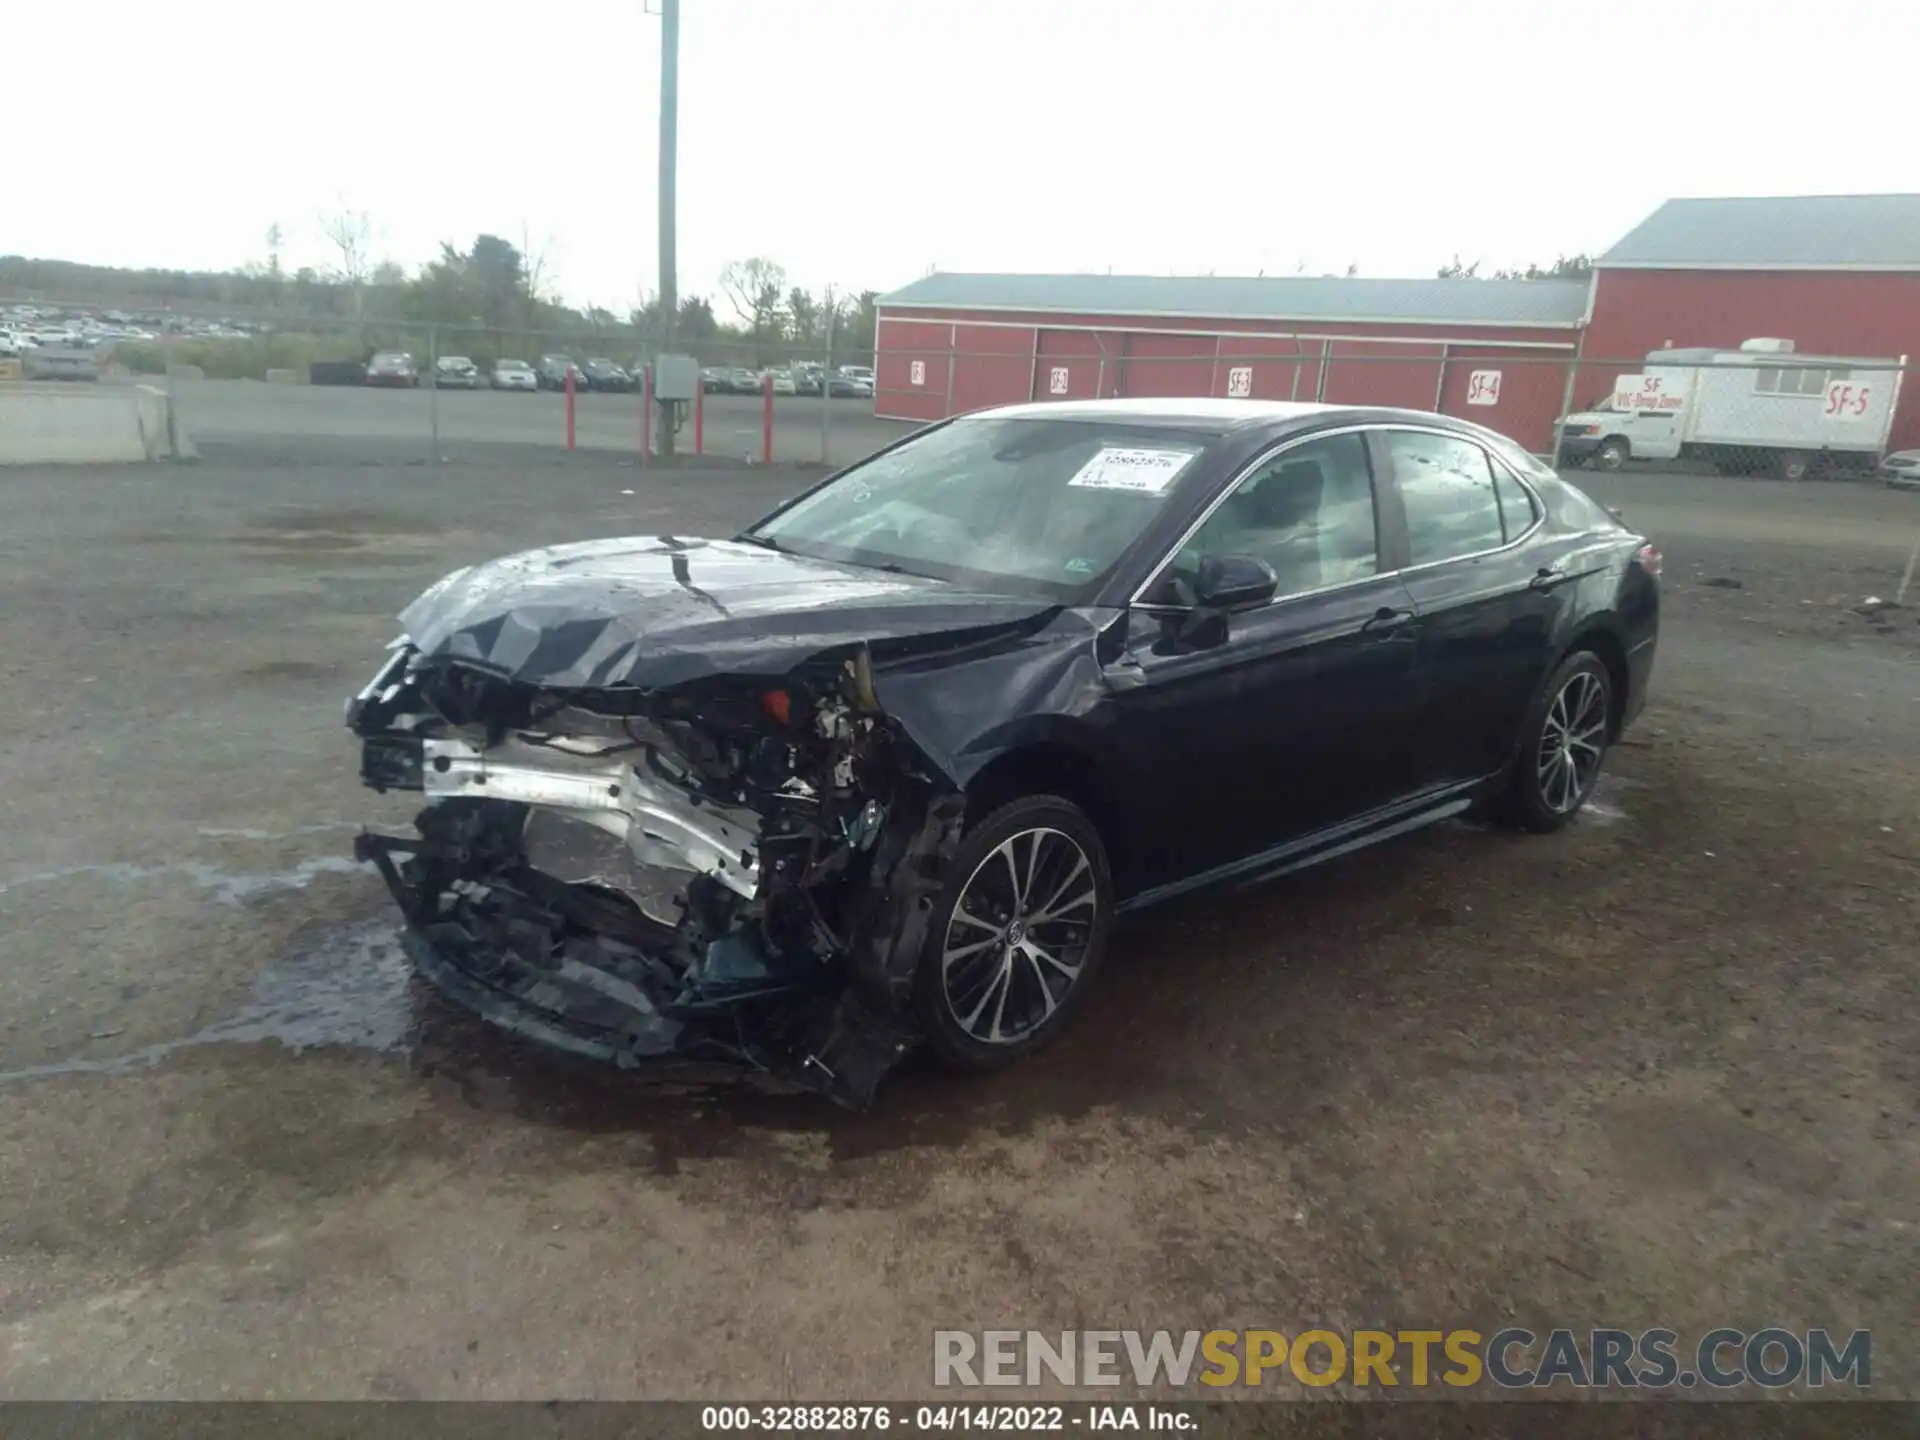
{"x":617,"y":996}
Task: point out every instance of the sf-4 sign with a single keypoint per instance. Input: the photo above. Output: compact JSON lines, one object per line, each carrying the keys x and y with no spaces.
{"x":1239,"y":382}
{"x":1847,"y":400}
{"x":1483,"y":387}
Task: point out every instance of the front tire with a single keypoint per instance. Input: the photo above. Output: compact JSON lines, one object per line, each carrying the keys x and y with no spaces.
{"x":1563,"y":746}
{"x":1018,"y":934}
{"x":1612,"y":454}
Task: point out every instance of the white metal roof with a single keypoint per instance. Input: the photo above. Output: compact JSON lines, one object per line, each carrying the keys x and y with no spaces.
{"x":1775,"y":232}
{"x":1560,"y":304}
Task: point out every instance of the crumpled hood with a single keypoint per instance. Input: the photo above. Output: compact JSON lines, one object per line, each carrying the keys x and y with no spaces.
{"x":657,"y":611}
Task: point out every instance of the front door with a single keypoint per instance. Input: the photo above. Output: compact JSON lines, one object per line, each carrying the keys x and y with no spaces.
{"x":1244,"y":731}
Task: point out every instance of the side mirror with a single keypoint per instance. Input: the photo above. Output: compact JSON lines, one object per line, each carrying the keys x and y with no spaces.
{"x":1233,"y":582}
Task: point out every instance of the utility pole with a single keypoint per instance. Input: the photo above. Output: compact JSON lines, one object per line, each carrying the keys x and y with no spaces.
{"x":669,"y":144}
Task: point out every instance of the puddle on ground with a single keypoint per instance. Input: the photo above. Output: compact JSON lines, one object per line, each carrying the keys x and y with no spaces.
{"x":1605,"y":806}
{"x":242,"y":832}
{"x":343,"y":985}
{"x":228,"y":887}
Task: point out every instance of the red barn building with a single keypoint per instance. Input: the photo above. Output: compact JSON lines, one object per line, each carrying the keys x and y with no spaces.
{"x":1836,"y":275}
{"x":1493,"y":350}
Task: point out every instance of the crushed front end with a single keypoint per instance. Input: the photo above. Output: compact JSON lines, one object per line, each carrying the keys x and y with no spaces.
{"x":733,"y":872}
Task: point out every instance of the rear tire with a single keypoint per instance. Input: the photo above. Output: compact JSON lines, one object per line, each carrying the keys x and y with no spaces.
{"x":1563,"y":746}
{"x":1017,"y":936}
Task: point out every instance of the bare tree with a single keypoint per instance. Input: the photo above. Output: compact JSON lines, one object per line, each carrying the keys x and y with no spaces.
{"x":755,"y":288}
{"x":350,"y":233}
{"x":534,"y":275}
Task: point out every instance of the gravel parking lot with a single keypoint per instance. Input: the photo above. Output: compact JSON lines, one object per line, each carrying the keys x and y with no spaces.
{"x":1659,"y":1069}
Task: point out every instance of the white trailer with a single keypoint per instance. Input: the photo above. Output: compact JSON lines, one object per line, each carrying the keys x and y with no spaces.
{"x":1761,"y":409}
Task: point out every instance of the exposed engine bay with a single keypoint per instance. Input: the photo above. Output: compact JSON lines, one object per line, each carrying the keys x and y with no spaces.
{"x":731,"y":872}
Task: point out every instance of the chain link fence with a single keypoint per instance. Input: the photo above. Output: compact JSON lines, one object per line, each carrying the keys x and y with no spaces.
{"x":1760,"y":410}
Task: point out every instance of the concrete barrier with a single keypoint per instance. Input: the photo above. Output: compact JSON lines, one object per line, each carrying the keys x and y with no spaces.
{"x":185,"y":372}
{"x":284,"y":377}
{"x":9,"y":369}
{"x":42,"y":424}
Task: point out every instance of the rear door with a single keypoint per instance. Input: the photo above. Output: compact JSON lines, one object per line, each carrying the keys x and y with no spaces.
{"x":1247,"y":730}
{"x":1489,"y":590}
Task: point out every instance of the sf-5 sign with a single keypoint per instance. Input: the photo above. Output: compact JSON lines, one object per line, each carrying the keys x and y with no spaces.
{"x":1847,"y":400}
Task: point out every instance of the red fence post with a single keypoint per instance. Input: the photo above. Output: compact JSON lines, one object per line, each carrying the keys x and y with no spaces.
{"x":646,"y":413}
{"x":766,"y":422}
{"x":700,"y":420}
{"x":570,"y":407}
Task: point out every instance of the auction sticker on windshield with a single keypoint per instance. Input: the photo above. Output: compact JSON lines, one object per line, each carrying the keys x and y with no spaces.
{"x":1146,"y":472}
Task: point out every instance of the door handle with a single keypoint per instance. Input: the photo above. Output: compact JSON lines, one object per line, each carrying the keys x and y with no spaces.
{"x":1547,"y":578}
{"x":1386,"y":622}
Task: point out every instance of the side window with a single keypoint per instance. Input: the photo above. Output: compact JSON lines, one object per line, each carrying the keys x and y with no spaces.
{"x":1308,"y":513}
{"x":1516,"y":505}
{"x":1447,"y":486}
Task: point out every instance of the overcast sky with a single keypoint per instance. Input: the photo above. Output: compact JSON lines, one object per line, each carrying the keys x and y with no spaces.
{"x":862,"y":142}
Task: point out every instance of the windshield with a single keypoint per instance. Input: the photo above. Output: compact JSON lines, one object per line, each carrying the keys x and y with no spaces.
{"x":1031,"y":506}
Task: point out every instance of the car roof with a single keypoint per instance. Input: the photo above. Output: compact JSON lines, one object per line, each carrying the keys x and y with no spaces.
{"x":1215,"y":414}
{"x":1197,"y":409}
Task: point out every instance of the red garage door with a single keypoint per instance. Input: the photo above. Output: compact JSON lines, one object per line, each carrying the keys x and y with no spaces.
{"x":1255,"y":367}
{"x":1517,"y":394}
{"x":994,"y":366}
{"x":1361,"y":372}
{"x":1073,"y":365}
{"x":1169,"y":365}
{"x":910,"y":368}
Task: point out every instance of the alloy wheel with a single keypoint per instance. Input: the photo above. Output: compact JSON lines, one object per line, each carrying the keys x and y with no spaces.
{"x":1571,"y":742}
{"x":1018,"y":935}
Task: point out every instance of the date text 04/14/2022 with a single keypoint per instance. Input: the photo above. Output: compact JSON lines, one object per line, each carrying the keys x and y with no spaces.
{"x":1011,"y":1419}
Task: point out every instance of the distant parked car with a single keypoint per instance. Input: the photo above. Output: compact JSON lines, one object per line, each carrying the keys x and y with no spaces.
{"x":456,"y":372}
{"x":514,"y":375}
{"x":783,"y":382}
{"x":809,"y":380}
{"x":843,"y":386}
{"x":553,"y":371}
{"x":14,"y":344}
{"x":1901,"y":469}
{"x":858,"y":372}
{"x":605,"y":375}
{"x":393,"y":368}
{"x":715,"y":380}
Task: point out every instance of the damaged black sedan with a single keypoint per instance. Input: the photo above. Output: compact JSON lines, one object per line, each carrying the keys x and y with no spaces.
{"x":884,"y":768}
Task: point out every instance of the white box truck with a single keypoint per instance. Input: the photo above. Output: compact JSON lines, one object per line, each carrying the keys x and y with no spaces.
{"x":1761,"y":409}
